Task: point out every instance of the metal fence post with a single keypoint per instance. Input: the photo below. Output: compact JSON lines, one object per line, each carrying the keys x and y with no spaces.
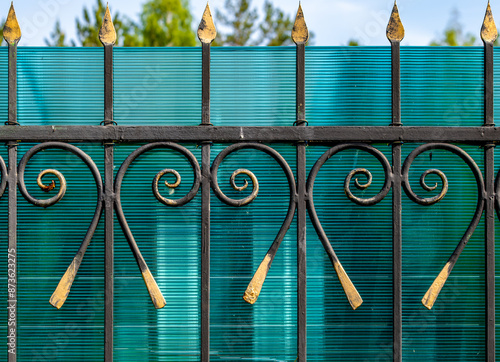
{"x":300,"y":35}
{"x":107,"y":36}
{"x":12,"y":35}
{"x":489,"y":34}
{"x":206,"y":34}
{"x":395,"y":34}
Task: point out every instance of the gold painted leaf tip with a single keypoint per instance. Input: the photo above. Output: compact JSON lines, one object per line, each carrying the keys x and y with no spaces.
{"x":107,"y":33}
{"x":11,"y":29}
{"x":300,"y":33}
{"x":489,"y":32}
{"x":207,"y":31}
{"x":395,"y":29}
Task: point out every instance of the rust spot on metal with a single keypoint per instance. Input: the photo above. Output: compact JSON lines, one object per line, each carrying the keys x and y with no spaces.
{"x":50,"y":187}
{"x":489,"y":32}
{"x":430,"y":297}
{"x":107,"y":33}
{"x":155,"y":293}
{"x":255,"y":285}
{"x":300,"y":33}
{"x":395,"y":29}
{"x":11,"y":29}
{"x":207,"y":31}
{"x":350,"y":290}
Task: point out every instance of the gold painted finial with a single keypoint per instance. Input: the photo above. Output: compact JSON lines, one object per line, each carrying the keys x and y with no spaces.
{"x":11,"y":29}
{"x":107,"y":33}
{"x":395,"y":29}
{"x":300,"y":33}
{"x":489,"y":32}
{"x":206,"y":30}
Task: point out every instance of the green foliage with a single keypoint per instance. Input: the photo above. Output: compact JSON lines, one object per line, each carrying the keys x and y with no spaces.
{"x":240,"y":18}
{"x":276,"y":27}
{"x":454,"y":35}
{"x":58,"y":37}
{"x":166,"y":23}
{"x":88,"y":28}
{"x":244,"y":28}
{"x":353,"y":43}
{"x":162,"y":23}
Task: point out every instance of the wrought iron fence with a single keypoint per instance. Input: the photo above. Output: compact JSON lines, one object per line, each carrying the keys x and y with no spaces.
{"x":301,"y":185}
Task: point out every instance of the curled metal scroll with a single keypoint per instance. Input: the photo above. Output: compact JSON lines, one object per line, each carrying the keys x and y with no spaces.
{"x":430,"y":297}
{"x":153,"y":289}
{"x":63,"y":288}
{"x":352,"y":294}
{"x":3,"y":174}
{"x":255,"y":286}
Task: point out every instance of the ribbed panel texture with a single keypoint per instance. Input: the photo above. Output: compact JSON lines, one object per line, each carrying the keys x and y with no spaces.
{"x":250,"y":87}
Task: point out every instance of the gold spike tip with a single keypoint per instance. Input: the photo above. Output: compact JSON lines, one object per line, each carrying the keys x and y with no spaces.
{"x":207,"y":31}
{"x":107,"y":33}
{"x":300,"y":33}
{"x":11,"y":29}
{"x":395,"y":29}
{"x":489,"y":32}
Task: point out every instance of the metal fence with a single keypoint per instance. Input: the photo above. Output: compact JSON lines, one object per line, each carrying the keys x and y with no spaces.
{"x":301,"y":184}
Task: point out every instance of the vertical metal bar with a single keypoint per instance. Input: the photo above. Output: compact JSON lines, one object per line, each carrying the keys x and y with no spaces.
{"x":300,"y":35}
{"x":397,"y":237}
{"x":205,"y":252}
{"x":109,"y":250}
{"x":206,"y":34}
{"x":395,"y":34}
{"x":12,"y":35}
{"x":12,"y":254}
{"x":489,"y":169}
{"x":489,"y":34}
{"x":12,"y":120}
{"x":301,"y":213}
{"x":107,"y":36}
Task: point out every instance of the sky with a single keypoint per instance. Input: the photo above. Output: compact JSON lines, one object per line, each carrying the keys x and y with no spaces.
{"x":334,"y":22}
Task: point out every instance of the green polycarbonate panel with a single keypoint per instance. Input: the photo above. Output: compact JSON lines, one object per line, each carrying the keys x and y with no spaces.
{"x":454,"y":329}
{"x":250,"y":87}
{"x":361,"y":238}
{"x":442,"y":86}
{"x":48,"y":239}
{"x":169,"y":240}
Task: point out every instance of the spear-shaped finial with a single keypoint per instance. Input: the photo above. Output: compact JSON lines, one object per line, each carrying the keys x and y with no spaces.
{"x":489,"y":32}
{"x":300,"y":33}
{"x":107,"y":33}
{"x":395,"y":29}
{"x":11,"y":29}
{"x":206,"y":30}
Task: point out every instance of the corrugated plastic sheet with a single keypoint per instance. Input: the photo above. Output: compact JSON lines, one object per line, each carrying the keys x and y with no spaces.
{"x":251,"y":87}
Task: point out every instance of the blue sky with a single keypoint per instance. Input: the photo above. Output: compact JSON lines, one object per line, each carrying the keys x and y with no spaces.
{"x":333,"y":21}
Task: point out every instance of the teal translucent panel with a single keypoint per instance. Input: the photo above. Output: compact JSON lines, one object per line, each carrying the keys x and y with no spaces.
{"x":241,"y":237}
{"x":48,"y":239}
{"x":442,"y":86}
{"x":348,"y":86}
{"x":250,"y":87}
{"x":253,"y":86}
{"x":157,"y":86}
{"x":362,"y":240}
{"x":169,"y":240}
{"x":60,"y":86}
{"x":454,"y":329}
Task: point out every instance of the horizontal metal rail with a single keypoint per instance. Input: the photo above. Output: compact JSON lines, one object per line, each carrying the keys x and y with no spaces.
{"x":229,"y":134}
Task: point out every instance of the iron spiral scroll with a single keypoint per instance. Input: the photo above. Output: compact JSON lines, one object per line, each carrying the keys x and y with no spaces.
{"x":62,"y":291}
{"x":255,"y":286}
{"x":432,"y":293}
{"x":153,"y":289}
{"x":350,"y":290}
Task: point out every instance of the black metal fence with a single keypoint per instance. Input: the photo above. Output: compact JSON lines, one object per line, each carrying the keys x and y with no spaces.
{"x":301,"y":185}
